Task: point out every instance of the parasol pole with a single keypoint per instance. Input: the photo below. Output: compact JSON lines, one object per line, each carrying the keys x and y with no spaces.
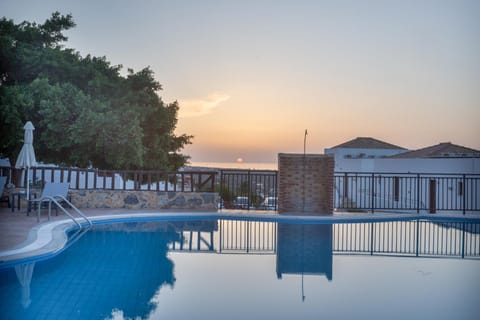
{"x":28,"y":183}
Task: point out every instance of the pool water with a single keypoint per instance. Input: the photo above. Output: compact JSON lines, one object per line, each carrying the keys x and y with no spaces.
{"x":227,"y":269}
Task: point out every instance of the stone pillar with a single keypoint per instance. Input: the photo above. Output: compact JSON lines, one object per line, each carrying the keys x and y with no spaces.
{"x":305,"y":184}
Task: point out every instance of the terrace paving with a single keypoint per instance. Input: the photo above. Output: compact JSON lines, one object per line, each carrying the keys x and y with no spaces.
{"x":15,"y":226}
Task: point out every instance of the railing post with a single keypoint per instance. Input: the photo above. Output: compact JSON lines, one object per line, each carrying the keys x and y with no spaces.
{"x":77,"y":179}
{"x":418,"y":193}
{"x":432,"y":195}
{"x":372,"y":190}
{"x":212,"y":187}
{"x":113,"y":180}
{"x":464,"y":187}
{"x":69,"y":175}
{"x":104,"y":177}
{"x":182,"y":178}
{"x":221,"y":192}
{"x":140,"y":179}
{"x":275,"y":184}
{"x":396,"y":188}
{"x":248,"y":190}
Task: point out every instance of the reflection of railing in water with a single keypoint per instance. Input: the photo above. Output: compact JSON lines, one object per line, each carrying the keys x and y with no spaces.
{"x":402,"y":238}
{"x":399,"y":238}
{"x":232,"y":236}
{"x":409,"y":238}
{"x":195,"y":236}
{"x":247,"y":237}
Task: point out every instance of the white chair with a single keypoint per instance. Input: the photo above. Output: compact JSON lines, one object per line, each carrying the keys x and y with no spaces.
{"x":52,"y":192}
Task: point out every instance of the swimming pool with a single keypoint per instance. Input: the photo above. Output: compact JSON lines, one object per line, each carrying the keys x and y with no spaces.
{"x":240,"y":269}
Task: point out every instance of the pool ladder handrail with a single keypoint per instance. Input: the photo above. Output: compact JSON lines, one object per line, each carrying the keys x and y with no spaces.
{"x":62,"y":198}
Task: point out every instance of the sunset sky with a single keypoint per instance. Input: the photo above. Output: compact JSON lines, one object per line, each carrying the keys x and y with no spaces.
{"x":251,"y":76}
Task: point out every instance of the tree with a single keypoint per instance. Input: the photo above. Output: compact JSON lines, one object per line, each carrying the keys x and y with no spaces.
{"x":83,"y":110}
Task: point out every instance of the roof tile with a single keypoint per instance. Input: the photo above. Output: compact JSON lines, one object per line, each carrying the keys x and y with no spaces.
{"x":367,"y":143}
{"x":441,"y":150}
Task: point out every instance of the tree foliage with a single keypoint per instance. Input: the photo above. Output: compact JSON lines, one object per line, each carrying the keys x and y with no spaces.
{"x":84,"y":111}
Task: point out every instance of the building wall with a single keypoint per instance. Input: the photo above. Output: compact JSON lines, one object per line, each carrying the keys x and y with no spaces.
{"x":144,"y":199}
{"x":348,"y":155}
{"x":362,"y":152}
{"x":423,"y":165}
{"x":305,"y":184}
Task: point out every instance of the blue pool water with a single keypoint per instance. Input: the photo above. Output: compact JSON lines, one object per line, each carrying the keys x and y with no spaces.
{"x":227,"y":269}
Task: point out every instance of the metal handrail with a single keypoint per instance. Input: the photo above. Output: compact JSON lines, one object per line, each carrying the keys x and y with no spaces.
{"x":76,"y":209}
{"x":52,"y":199}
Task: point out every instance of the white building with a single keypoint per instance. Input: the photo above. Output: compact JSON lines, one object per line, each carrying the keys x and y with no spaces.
{"x":373,"y":173}
{"x":357,"y":155}
{"x":374,"y":156}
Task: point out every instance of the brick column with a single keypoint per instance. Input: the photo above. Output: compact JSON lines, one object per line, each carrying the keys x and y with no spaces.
{"x":305,"y":184}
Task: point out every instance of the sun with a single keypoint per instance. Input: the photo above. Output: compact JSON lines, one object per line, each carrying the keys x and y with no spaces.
{"x":239,"y":160}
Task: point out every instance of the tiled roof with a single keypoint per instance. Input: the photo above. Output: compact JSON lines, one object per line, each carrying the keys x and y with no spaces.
{"x":367,"y":143}
{"x":441,"y":150}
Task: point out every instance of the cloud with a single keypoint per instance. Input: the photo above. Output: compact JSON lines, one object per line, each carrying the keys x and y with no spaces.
{"x":198,"y":107}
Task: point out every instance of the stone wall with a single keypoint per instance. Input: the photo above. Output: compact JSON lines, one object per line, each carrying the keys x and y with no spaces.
{"x":305,"y":184}
{"x":130,"y":199}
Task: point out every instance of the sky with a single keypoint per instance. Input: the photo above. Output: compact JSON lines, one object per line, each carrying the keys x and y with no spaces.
{"x":251,"y":76}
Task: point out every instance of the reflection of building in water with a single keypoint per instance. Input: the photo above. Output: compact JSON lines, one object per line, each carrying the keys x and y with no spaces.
{"x":304,"y":249}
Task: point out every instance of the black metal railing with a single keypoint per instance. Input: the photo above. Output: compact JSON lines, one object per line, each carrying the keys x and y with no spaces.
{"x":252,"y":189}
{"x":407,"y":192}
{"x":155,"y":180}
{"x":248,"y":189}
{"x":257,"y":189}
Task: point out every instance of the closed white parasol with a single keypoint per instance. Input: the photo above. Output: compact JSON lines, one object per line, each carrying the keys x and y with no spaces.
{"x":26,"y":157}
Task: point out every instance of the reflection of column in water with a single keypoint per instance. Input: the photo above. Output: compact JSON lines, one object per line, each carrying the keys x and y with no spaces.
{"x":24,"y":275}
{"x":304,"y":249}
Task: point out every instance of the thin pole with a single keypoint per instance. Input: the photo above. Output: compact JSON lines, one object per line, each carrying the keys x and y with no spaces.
{"x":28,"y":184}
{"x":305,"y":142}
{"x":303,"y":291}
{"x":304,"y":160}
{"x":302,"y":261}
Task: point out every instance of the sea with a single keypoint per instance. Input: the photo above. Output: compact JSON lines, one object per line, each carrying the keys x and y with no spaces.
{"x":235,"y":165}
